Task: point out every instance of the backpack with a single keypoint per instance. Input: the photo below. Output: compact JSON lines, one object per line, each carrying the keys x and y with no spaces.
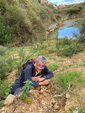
{"x":28,"y":62}
{"x":31,"y":61}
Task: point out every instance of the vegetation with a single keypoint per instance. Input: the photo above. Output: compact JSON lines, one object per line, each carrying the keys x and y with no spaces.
{"x":5,"y":32}
{"x":69,"y":80}
{"x":73,"y":10}
{"x":25,"y":20}
{"x":26,"y":88}
{"x":4,"y":89}
{"x":66,"y":47}
{"x":70,"y":47}
{"x":53,"y":66}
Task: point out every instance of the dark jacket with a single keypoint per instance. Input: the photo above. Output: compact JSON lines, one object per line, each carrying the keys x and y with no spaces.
{"x":27,"y":74}
{"x":30,"y":71}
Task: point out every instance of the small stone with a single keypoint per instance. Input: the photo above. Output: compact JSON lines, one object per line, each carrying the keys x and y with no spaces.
{"x":40,"y":110}
{"x":56,"y":106}
{"x":53,"y":101}
{"x":42,"y":91}
{"x":43,"y":102}
{"x":10,"y":98}
{"x":30,"y":109}
{"x":67,"y":95}
{"x":45,"y":94}
{"x":75,"y":111}
{"x":23,"y":107}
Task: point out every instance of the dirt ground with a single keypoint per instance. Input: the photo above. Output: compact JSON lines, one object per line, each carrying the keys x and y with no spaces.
{"x":45,"y":100}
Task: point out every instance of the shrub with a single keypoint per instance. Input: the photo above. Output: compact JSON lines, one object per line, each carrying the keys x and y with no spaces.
{"x":42,"y":13}
{"x":26,"y":88}
{"x":5,"y":34}
{"x":4,"y":89}
{"x":1,"y":103}
{"x":7,"y":62}
{"x":68,"y":51}
{"x":2,"y":50}
{"x":39,"y":1}
{"x":82,"y":32}
{"x":67,"y":47}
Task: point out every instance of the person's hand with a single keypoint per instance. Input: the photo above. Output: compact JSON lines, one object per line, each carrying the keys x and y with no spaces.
{"x":34,"y":78}
{"x":39,"y":79}
{"x":45,"y":82}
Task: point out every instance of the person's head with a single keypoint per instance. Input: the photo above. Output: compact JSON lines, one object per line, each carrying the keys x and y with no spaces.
{"x":40,"y":63}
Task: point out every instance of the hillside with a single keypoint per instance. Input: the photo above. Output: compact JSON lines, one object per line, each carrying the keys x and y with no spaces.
{"x":23,"y":30}
{"x":65,"y":96}
{"x":29,"y":20}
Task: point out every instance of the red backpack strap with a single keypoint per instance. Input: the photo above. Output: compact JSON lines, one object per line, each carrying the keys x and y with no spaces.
{"x":28,"y":62}
{"x":33,"y":59}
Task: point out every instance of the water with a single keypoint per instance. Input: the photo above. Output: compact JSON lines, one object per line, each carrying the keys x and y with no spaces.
{"x":68,"y":30}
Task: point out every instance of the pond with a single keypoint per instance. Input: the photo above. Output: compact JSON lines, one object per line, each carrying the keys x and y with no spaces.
{"x":68,"y":30}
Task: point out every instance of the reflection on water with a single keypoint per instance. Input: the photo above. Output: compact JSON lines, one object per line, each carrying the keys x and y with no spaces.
{"x":68,"y":32}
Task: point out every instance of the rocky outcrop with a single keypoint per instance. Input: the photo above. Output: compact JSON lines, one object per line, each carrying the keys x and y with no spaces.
{"x":52,"y":27}
{"x":44,"y":1}
{"x":61,"y":6}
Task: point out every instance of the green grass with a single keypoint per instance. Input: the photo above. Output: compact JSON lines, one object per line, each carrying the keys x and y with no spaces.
{"x":1,"y":103}
{"x":73,"y":78}
{"x":66,"y":47}
{"x":53,"y":66}
{"x":61,"y":60}
{"x":83,"y":63}
{"x":7,"y":62}
{"x":4,"y":89}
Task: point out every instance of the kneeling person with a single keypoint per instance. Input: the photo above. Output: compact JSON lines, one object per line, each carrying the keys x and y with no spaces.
{"x":36,"y":71}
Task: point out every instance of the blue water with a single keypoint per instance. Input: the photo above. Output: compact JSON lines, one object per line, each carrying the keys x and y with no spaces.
{"x":68,"y":32}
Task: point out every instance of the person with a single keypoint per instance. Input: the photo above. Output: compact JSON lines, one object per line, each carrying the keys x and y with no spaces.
{"x":37,"y":72}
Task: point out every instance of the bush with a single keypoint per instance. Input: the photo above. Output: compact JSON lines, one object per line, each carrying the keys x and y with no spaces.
{"x":1,"y":103}
{"x":4,"y":89}
{"x":5,"y":34}
{"x":42,"y":13}
{"x":68,"y":51}
{"x":67,"y":47}
{"x":82,"y":32}
{"x":7,"y":62}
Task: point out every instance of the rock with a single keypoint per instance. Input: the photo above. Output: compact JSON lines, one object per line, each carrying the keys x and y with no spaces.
{"x":56,"y":106}
{"x":53,"y":101}
{"x":43,"y":102}
{"x":40,"y":110}
{"x":75,"y":111}
{"x":67,"y":95}
{"x":10,"y":98}
{"x":45,"y":94}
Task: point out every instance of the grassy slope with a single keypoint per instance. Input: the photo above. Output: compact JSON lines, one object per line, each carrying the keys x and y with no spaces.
{"x":69,"y":72}
{"x":28,"y":20}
